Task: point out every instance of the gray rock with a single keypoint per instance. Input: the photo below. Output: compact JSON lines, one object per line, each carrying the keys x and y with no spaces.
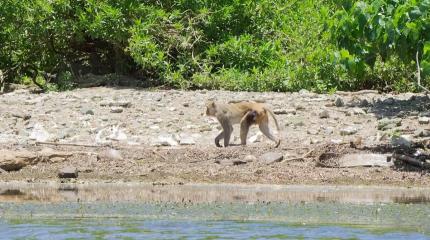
{"x":312,"y":131}
{"x":24,"y":116}
{"x":186,"y":140}
{"x":250,"y":158}
{"x":165,"y":140}
{"x":423,"y":120}
{"x":299,"y":107}
{"x":284,"y":111}
{"x":158,"y":98}
{"x":304,"y":92}
{"x":327,"y":130}
{"x":68,"y":172}
{"x":422,"y":133}
{"x":87,"y":111}
{"x":124,"y":104}
{"x":256,"y":138}
{"x":271,"y":157}
{"x":324,"y":114}
{"x":424,"y":114}
{"x":336,"y":141}
{"x":239,"y":162}
{"x":116,"y":110}
{"x":358,"y":111}
{"x":388,"y":127}
{"x":110,"y":154}
{"x":402,"y":141}
{"x":364,"y":103}
{"x":15,"y":160}
{"x":364,"y":160}
{"x":104,"y":103}
{"x":389,"y":101}
{"x":224,"y":162}
{"x":339,"y":102}
{"x":348,"y":131}
{"x":39,"y":133}
{"x":386,"y":121}
{"x":205,"y":128}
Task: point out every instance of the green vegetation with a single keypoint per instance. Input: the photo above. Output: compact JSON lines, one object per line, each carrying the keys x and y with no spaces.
{"x":268,"y":45}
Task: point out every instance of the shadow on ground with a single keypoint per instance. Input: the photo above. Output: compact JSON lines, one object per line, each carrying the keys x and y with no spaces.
{"x":391,"y":107}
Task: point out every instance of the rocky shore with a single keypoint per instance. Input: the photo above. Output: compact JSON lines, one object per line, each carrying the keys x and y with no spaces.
{"x":162,"y":137}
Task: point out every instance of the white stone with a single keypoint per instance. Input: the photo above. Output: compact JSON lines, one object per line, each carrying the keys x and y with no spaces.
{"x":423,"y":120}
{"x":39,"y":133}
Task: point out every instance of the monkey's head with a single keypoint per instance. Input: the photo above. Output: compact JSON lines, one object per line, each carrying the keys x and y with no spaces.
{"x":210,"y":108}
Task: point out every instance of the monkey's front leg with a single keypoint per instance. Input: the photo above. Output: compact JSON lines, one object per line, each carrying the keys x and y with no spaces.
{"x":218,"y":138}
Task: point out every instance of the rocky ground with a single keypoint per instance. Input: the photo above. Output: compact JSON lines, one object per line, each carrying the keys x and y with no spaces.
{"x":162,"y":136}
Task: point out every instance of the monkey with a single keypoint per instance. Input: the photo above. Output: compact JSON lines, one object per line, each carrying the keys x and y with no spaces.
{"x":245,"y":113}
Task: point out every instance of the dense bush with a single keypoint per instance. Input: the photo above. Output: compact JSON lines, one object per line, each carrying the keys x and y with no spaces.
{"x":380,"y":40}
{"x":268,"y":45}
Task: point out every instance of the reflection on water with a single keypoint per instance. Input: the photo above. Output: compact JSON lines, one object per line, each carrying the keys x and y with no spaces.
{"x":139,"y":211}
{"x":209,"y":193}
{"x":132,"y":229}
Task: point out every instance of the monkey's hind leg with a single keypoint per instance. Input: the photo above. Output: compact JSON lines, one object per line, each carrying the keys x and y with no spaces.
{"x":264,"y":128}
{"x":245,"y":124}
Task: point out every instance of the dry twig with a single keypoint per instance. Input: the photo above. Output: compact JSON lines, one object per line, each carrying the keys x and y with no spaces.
{"x":419,"y":75}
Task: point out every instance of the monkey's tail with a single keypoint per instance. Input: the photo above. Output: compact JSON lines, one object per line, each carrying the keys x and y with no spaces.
{"x":276,"y":123}
{"x":273,"y":116}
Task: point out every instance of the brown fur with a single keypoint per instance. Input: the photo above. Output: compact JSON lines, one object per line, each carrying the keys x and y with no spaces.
{"x":245,"y":113}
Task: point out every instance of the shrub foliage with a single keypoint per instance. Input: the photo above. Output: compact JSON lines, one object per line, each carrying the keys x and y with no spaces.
{"x":268,"y":45}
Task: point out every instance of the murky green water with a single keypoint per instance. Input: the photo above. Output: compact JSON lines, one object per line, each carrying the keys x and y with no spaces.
{"x":213,"y":212}
{"x":108,"y":228}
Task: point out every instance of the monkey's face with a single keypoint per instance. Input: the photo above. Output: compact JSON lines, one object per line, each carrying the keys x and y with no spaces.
{"x":210,"y":109}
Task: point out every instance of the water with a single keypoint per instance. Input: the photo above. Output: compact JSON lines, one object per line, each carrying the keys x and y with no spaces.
{"x":212,"y":212}
{"x":107,"y":228}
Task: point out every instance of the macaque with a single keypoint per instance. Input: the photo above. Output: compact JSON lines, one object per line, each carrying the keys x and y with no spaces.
{"x":245,"y":113}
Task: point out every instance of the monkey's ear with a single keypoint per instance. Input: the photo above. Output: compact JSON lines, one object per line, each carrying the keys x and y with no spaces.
{"x":210,"y":103}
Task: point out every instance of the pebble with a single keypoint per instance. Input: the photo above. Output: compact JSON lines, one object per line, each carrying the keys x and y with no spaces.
{"x":39,"y":133}
{"x":358,"y":111}
{"x":422,"y":133}
{"x":124,"y":104}
{"x":116,"y":110}
{"x":165,"y":140}
{"x":339,"y":102}
{"x":24,"y":116}
{"x":256,"y":138}
{"x":348,"y":131}
{"x":403,"y":141}
{"x":299,"y":107}
{"x":303,"y":92}
{"x":250,"y":158}
{"x":87,"y":111}
{"x":284,"y":111}
{"x":68,"y":172}
{"x":423,"y":120}
{"x":386,"y":121}
{"x":110,"y":154}
{"x":324,"y":114}
{"x":186,"y":140}
{"x":271,"y":157}
{"x":389,"y":101}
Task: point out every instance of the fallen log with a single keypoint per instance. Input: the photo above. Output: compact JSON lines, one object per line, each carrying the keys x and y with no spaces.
{"x":412,"y":161}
